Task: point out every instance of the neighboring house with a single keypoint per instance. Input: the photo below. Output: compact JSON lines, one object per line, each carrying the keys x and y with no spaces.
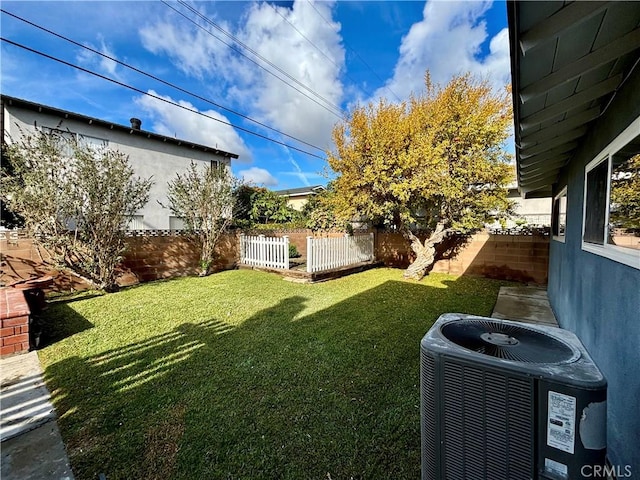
{"x":297,"y":197}
{"x":533,"y":211}
{"x":527,"y":212}
{"x":576,"y":94}
{"x":150,"y":154}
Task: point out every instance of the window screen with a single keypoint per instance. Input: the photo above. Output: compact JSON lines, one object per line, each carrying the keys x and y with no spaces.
{"x":624,"y":202}
{"x":596,"y":203}
{"x":559,"y":218}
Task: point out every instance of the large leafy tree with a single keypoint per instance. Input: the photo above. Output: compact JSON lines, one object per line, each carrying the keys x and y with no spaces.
{"x":435,"y":162}
{"x":625,"y":195}
{"x":76,"y":200}
{"x":318,"y":211}
{"x":269,"y":207}
{"x":261,"y":206}
{"x":204,"y":198}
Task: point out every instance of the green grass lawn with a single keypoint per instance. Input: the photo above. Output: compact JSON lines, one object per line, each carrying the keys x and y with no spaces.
{"x":242,"y":375}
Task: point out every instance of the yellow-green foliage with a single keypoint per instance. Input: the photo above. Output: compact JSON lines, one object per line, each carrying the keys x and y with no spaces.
{"x":437,"y":158}
{"x":625,"y":195}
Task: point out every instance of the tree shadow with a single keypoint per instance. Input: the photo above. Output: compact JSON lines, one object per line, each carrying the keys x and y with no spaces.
{"x":16,"y":267}
{"x":396,"y":249}
{"x":284,"y":394}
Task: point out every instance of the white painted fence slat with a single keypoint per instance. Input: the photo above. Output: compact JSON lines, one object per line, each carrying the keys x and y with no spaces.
{"x":261,"y":251}
{"x":329,"y":253}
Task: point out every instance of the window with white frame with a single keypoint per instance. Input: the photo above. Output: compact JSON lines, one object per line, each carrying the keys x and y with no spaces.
{"x":63,"y":139}
{"x":93,"y":142}
{"x":559,"y":216}
{"x":136,"y":222}
{"x":176,"y":223}
{"x":66,"y":138}
{"x":611,"y":226}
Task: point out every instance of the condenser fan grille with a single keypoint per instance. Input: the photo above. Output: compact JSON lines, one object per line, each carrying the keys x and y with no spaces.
{"x":509,"y":342}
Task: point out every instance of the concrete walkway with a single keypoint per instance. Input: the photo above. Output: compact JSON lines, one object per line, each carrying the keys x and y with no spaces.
{"x":32,"y":448}
{"x":524,"y":304}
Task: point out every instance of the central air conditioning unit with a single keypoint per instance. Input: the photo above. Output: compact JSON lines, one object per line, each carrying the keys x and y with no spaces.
{"x":502,"y":400}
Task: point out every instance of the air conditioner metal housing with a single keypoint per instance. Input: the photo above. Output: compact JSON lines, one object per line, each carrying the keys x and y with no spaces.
{"x":537,"y":413}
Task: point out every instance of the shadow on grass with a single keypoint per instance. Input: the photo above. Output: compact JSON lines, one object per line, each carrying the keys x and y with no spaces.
{"x":56,"y":323}
{"x":334,"y":394}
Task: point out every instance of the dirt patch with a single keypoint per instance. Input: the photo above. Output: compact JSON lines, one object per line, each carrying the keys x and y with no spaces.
{"x":162,"y":443}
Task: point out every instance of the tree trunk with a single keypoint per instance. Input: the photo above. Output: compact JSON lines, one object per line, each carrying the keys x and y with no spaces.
{"x":425,"y":253}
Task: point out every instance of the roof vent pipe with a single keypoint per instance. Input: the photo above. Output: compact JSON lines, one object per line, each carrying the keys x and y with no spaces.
{"x":135,"y":123}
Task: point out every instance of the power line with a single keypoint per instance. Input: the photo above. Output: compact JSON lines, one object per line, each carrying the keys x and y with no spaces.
{"x":157,"y":78}
{"x":248,"y":48}
{"x":310,"y":2}
{"x":275,"y":9}
{"x":334,"y":109}
{"x":142,"y":92}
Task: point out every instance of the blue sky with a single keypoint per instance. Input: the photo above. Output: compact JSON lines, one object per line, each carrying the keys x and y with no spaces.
{"x":331,"y":56}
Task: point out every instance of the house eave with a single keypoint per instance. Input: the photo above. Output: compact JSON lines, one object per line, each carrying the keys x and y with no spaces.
{"x":568,"y":60}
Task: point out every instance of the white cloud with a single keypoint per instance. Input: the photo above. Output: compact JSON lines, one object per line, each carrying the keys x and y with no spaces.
{"x":171,"y":120}
{"x":252,"y":89}
{"x":98,"y":62}
{"x":448,"y":42}
{"x":273,"y":38}
{"x":192,"y":49}
{"x":258,"y":176}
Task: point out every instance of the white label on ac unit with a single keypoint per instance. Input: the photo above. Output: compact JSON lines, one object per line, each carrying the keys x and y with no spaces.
{"x":556,"y":468}
{"x":561,"y":422}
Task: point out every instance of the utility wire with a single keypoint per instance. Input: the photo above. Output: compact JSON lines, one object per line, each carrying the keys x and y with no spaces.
{"x":195,"y":95}
{"x":130,"y":87}
{"x":310,"y":2}
{"x":232,"y":47}
{"x":330,"y":107}
{"x":248,"y":48}
{"x":275,"y":9}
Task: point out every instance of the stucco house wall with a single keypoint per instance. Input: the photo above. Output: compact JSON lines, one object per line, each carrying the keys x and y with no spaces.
{"x":536,"y":211}
{"x":298,"y":197}
{"x":150,"y":155}
{"x":297,"y":203}
{"x":598,"y":298}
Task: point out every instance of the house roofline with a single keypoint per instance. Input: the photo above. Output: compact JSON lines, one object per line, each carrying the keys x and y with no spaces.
{"x":20,"y":103}
{"x":290,"y":192}
{"x":512,"y":22}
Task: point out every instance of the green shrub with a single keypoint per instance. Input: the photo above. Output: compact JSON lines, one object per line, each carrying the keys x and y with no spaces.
{"x":293,"y":251}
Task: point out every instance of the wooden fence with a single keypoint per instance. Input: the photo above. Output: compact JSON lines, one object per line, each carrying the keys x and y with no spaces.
{"x":329,"y":253}
{"x":261,"y":251}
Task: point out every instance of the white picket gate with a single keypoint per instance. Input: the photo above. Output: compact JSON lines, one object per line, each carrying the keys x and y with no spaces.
{"x":329,"y":253}
{"x":261,"y":251}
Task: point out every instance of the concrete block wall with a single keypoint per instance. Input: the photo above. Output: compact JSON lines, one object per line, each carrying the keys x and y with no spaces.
{"x":162,"y":254}
{"x":150,"y":257}
{"x":522,"y":258}
{"x":14,"y":319}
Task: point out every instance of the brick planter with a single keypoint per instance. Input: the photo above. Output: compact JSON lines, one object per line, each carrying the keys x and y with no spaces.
{"x":14,"y":316}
